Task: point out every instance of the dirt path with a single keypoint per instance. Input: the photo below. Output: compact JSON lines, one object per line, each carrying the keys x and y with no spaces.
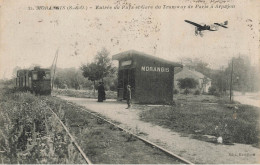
{"x":193,"y":150}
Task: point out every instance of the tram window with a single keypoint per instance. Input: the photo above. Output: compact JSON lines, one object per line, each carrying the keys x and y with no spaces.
{"x":34,"y":76}
{"x":47,"y":75}
{"x":41,"y":75}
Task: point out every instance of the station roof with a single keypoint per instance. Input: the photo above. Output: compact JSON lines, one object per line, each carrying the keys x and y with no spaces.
{"x":131,"y":53}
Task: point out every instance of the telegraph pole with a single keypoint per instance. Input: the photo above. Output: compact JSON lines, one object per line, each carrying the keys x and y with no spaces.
{"x":231,"y":81}
{"x":53,"y":67}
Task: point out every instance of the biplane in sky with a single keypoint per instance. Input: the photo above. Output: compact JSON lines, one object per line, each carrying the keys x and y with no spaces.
{"x":199,"y":27}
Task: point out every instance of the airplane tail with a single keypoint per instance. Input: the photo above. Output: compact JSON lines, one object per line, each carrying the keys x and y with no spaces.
{"x":226,"y":23}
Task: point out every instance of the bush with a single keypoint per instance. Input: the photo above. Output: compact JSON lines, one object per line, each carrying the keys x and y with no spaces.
{"x":187,"y":83}
{"x":212,"y":90}
{"x":197,"y":92}
{"x":186,"y":91}
{"x":175,"y":91}
{"x":217,"y":94}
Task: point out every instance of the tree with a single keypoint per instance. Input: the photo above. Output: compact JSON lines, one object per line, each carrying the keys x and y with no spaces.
{"x":91,"y":72}
{"x":110,"y":82}
{"x":59,"y":83}
{"x":219,"y":80}
{"x":187,"y":83}
{"x":100,"y":68}
{"x":104,"y":64}
{"x":203,"y":68}
{"x":198,"y":65}
{"x":244,"y":74}
{"x":71,"y":78}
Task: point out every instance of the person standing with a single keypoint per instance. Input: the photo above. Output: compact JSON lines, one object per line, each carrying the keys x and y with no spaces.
{"x":128,"y":96}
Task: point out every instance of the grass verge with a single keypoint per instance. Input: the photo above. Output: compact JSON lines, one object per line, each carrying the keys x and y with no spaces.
{"x":235,"y":123}
{"x":29,"y":133}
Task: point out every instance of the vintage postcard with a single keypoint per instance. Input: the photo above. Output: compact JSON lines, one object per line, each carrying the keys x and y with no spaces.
{"x":129,"y":82}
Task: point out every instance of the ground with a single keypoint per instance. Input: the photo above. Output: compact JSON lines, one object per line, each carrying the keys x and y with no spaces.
{"x":194,"y":150}
{"x":248,"y":98}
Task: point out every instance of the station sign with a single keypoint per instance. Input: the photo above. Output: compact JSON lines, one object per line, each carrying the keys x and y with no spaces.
{"x":125,"y":63}
{"x":154,"y":69}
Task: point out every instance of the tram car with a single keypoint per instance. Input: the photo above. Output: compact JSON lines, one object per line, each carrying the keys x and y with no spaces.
{"x":37,"y":81}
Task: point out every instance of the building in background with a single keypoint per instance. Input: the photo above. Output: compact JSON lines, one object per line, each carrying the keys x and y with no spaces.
{"x":204,"y":83}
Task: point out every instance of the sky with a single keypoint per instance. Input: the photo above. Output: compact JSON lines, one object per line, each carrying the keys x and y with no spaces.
{"x":32,"y":37}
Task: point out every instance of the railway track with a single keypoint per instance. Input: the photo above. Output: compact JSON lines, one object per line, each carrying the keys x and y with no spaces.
{"x":72,"y":138}
{"x":88,"y":161}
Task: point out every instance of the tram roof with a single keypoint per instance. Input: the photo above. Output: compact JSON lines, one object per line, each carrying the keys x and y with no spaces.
{"x":131,"y":53}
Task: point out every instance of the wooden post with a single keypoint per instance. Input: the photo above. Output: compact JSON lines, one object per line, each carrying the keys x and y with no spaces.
{"x":53,"y":67}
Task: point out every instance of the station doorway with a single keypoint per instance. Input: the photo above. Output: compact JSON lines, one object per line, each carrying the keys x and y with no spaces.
{"x":126,"y":77}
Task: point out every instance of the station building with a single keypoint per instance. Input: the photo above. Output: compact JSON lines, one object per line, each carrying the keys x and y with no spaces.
{"x":151,"y":78}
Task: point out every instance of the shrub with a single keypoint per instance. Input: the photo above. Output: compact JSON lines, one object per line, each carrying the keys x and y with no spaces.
{"x":175,"y":91}
{"x":113,"y":88}
{"x":197,"y":92}
{"x":212,"y":90}
{"x":216,"y":94}
{"x":186,"y":91}
{"x":187,"y":83}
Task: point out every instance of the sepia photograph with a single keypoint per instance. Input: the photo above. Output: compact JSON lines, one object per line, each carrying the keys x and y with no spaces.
{"x":129,"y":82}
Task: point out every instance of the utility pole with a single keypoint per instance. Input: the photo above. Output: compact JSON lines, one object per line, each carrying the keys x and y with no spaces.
{"x":53,"y":67}
{"x":231,"y":81}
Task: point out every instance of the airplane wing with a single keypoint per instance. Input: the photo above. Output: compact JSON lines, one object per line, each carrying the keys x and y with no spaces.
{"x":220,"y":25}
{"x":195,"y":24}
{"x":212,"y":30}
